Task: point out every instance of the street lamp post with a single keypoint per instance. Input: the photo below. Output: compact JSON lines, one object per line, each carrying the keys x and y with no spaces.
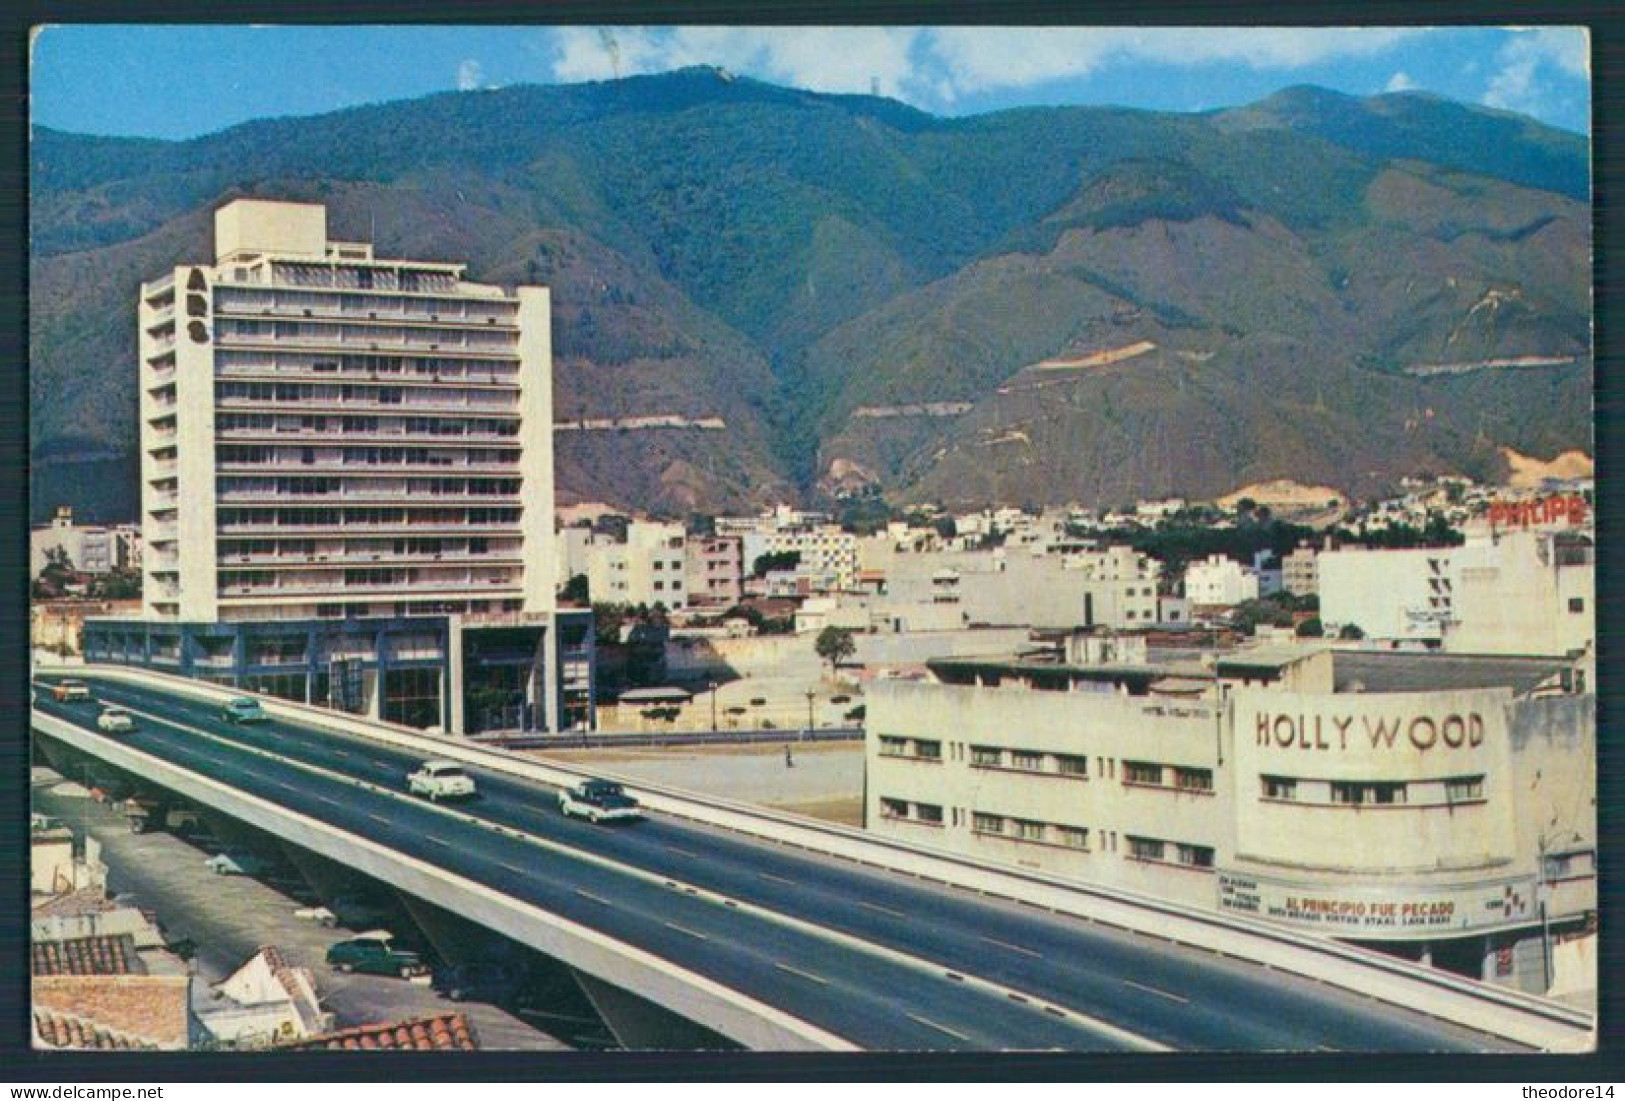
{"x":810,"y":696}
{"x":713,"y":706}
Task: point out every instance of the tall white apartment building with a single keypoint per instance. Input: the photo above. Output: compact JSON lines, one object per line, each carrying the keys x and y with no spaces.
{"x":1220,"y":582}
{"x":328,"y":437}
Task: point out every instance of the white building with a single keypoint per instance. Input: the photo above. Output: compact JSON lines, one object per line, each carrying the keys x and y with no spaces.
{"x":649,"y":568}
{"x":90,"y":548}
{"x":1421,"y":803}
{"x":1300,"y":571}
{"x":1525,"y":593}
{"x":348,"y":459}
{"x":1220,"y":582}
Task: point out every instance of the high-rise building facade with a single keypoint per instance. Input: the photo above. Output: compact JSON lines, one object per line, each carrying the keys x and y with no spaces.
{"x":331,"y":438}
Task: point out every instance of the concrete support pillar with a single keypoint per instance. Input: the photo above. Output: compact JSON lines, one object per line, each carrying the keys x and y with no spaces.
{"x":639,"y":1024}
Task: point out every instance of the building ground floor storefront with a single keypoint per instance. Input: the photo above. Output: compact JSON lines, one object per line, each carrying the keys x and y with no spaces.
{"x":466,"y":678}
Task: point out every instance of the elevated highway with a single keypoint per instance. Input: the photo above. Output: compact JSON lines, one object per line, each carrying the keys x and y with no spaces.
{"x":784,"y":935}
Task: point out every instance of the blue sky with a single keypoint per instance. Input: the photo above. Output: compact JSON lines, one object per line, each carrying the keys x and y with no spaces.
{"x":183,"y":81}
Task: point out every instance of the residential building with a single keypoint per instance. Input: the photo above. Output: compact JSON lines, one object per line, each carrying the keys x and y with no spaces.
{"x":716,"y":571}
{"x":265,"y":1001}
{"x":103,"y":992}
{"x":1425,"y":804}
{"x":1220,"y":582}
{"x":1403,"y":596}
{"x":347,"y":483}
{"x":90,"y":548}
{"x":1525,"y":593}
{"x":649,"y":568}
{"x":1300,"y":570}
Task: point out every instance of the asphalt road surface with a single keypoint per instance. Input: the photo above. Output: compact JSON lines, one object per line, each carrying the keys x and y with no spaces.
{"x":881,"y":959}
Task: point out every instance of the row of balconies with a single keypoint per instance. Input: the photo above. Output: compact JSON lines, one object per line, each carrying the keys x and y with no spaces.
{"x":359,"y":469}
{"x":475,"y":588}
{"x":498,"y":403}
{"x":343,"y":339}
{"x":499,"y":375}
{"x":335,"y":561}
{"x":424,"y":313}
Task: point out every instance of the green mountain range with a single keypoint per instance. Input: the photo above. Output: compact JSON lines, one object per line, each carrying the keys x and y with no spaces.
{"x":1319,"y":287}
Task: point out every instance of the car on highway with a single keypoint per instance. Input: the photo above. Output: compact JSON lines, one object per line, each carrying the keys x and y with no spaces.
{"x":599,"y":801}
{"x":242,"y":710}
{"x":70,"y":690}
{"x":115,"y":720}
{"x":437,"y":780}
{"x":229,"y":863}
{"x":374,"y":953}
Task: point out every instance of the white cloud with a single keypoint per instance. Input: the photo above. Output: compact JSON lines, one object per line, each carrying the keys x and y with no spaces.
{"x":822,"y":59}
{"x":469,"y":75}
{"x":1401,"y":82}
{"x":982,"y":58}
{"x":1528,"y":61}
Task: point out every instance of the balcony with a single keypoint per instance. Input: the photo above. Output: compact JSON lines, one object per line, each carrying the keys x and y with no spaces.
{"x":453,"y":314}
{"x":483,"y":589}
{"x":358,"y":469}
{"x":341,"y":561}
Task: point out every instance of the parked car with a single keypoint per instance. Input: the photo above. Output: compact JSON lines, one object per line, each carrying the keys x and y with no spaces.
{"x":229,"y":863}
{"x":486,"y":981}
{"x":70,"y":690}
{"x":321,"y":915}
{"x":115,"y":720}
{"x":437,"y":780}
{"x":599,"y":801}
{"x":242,"y":710}
{"x":374,"y":953}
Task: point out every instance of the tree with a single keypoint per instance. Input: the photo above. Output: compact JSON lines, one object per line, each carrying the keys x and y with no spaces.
{"x":1351,"y":631}
{"x":778,"y":560}
{"x":1311,"y":628}
{"x":575,"y":590}
{"x":835,"y":645}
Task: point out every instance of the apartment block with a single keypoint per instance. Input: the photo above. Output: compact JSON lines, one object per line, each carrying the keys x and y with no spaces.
{"x":346,"y":476}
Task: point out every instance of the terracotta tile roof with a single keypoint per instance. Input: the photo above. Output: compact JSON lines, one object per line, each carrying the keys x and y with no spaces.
{"x":54,"y":1028}
{"x":100,"y":955}
{"x":444,"y":1032}
{"x":86,"y":900}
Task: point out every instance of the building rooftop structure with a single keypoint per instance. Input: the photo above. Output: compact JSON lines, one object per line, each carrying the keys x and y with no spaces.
{"x":444,"y":1032}
{"x":97,"y":955}
{"x":55,"y":1028}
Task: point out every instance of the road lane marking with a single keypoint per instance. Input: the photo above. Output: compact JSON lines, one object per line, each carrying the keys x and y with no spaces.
{"x":511,"y":868}
{"x":681,"y":929}
{"x":944,"y":1029}
{"x":1013,"y":947}
{"x":436,"y":841}
{"x":881,"y":909}
{"x":379,"y":818}
{"x":682,"y":852}
{"x":1158,"y":993}
{"x":590,"y":897}
{"x":776,"y":878}
{"x":819,"y":979}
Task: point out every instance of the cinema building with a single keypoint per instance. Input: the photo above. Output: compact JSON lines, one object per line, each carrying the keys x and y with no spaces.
{"x":347,"y":484}
{"x":1440,"y":807}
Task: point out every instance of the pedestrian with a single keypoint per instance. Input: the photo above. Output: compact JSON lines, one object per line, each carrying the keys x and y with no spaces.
{"x":789,"y":761}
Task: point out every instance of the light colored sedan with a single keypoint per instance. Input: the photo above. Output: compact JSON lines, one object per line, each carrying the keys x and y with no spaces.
{"x":115,"y":720}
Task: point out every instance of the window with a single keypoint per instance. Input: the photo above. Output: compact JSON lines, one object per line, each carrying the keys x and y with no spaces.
{"x":893,"y":808}
{"x":893,"y":747}
{"x":1068,"y":765}
{"x":1193,"y":779}
{"x":929,"y":750}
{"x":982,"y":756}
{"x":1464,"y":789}
{"x":1144,"y":848}
{"x":986,"y":823}
{"x":1073,"y":837}
{"x":928,"y":812}
{"x":1279,"y":787}
{"x":1577,"y":604}
{"x":1027,"y":761}
{"x":1370,"y":794}
{"x":1029,"y":831}
{"x":1141,"y":772}
{"x":1195,"y":856}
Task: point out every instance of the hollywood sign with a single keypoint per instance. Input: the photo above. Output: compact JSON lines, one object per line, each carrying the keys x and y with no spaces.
{"x":1327,"y":732}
